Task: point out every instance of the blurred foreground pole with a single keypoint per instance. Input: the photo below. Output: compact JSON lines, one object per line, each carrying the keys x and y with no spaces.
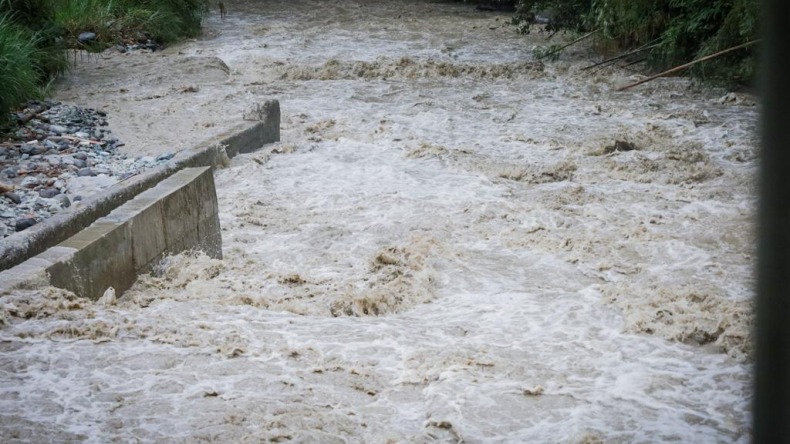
{"x":772,"y":370}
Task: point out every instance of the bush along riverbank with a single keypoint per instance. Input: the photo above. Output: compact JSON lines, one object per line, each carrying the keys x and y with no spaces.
{"x":37,"y":35}
{"x":661,"y":33}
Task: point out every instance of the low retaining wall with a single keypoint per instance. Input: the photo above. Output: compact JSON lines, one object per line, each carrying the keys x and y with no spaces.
{"x":178,"y":214}
{"x":246,"y":137}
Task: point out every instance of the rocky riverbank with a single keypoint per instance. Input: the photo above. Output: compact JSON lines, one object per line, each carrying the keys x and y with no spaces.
{"x":57,"y":155}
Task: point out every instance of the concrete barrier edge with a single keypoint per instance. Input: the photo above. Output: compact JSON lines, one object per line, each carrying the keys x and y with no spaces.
{"x":245,"y":137}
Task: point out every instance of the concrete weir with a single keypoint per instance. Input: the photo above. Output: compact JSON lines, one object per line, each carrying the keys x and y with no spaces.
{"x":178,"y":214}
{"x":127,"y":229}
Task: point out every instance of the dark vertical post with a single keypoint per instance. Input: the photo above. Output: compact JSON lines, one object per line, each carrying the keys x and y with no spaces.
{"x":772,"y":370}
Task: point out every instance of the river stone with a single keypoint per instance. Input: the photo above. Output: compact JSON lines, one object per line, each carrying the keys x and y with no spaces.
{"x":30,"y":182}
{"x":49,"y":193}
{"x":24,"y":223}
{"x":63,"y":200}
{"x":57,"y":129}
{"x":51,"y":145}
{"x":13,"y":197}
{"x":86,"y":37}
{"x":84,"y":172}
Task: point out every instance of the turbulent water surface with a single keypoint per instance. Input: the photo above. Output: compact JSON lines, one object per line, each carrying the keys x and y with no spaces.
{"x":453,"y":242}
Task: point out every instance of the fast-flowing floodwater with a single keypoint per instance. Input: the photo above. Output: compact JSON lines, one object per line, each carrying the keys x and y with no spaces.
{"x":452,"y":243}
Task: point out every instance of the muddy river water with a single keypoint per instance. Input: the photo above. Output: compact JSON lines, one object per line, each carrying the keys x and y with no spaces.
{"x":445,"y":247}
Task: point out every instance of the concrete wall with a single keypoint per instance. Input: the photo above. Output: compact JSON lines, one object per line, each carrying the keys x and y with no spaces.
{"x":247,"y":136}
{"x":178,"y":214}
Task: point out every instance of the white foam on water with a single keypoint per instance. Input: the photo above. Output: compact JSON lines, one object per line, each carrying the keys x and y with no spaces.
{"x":441,"y":249}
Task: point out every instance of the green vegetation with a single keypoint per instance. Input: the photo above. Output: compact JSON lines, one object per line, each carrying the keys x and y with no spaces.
{"x":35,"y":35}
{"x":683,"y":30}
{"x":20,"y":77}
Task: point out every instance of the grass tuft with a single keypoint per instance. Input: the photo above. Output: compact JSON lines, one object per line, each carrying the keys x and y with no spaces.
{"x":19,"y":75}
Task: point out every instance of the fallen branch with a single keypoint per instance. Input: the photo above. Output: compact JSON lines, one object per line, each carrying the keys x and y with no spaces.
{"x":624,"y":66}
{"x":23,"y":118}
{"x":634,"y":62}
{"x":622,"y":56}
{"x":79,"y":140}
{"x":686,"y":65}
{"x":556,"y":50}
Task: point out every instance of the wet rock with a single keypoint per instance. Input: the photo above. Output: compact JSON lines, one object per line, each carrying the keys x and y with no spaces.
{"x":51,"y":145}
{"x":86,"y":172}
{"x":13,"y":197}
{"x":63,"y":200}
{"x":57,"y":129}
{"x":53,"y":160}
{"x":619,"y":145}
{"x":30,"y":182}
{"x":48,"y":193}
{"x":86,"y":37}
{"x":24,"y":223}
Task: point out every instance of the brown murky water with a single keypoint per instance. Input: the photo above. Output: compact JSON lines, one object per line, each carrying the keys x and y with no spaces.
{"x":442,"y":248}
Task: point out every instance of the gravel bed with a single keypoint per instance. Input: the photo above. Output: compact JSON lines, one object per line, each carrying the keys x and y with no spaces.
{"x":58,"y":155}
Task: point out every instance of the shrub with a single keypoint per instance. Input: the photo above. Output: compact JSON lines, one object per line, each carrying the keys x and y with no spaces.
{"x":684,"y":29}
{"x":165,"y":20}
{"x":564,"y":14}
